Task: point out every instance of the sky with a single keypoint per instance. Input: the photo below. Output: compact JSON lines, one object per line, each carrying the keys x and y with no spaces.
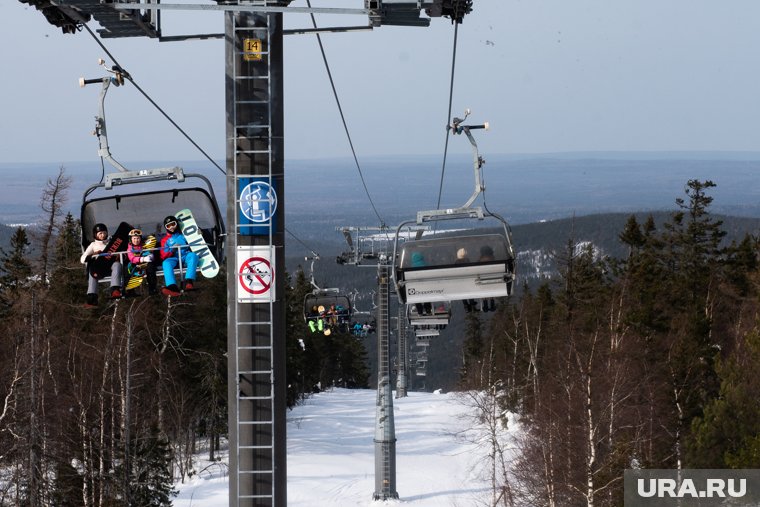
{"x":331,"y":460}
{"x":548,"y":75}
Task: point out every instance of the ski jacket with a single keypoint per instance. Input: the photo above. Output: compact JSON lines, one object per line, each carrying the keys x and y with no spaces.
{"x":170,"y":241}
{"x":136,"y":255}
{"x":93,"y":248}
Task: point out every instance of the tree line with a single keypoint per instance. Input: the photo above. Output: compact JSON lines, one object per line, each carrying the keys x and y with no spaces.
{"x":648,"y":361}
{"x":109,"y":406}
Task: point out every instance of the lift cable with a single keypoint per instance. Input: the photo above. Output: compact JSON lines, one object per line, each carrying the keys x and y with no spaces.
{"x":131,"y":80}
{"x":343,"y":118}
{"x":448,"y":115}
{"x":307,"y":247}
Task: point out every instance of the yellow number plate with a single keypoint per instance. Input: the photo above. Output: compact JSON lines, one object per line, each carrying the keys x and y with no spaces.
{"x":252,"y":49}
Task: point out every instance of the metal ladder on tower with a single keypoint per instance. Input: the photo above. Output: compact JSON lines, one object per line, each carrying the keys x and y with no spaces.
{"x":385,"y":432}
{"x":254,"y":362}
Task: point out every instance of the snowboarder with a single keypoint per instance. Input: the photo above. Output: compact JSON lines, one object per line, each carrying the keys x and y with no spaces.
{"x":98,"y":246}
{"x":141,"y":259}
{"x":173,"y":248}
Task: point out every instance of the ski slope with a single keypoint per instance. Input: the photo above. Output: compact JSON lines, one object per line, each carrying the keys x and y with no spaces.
{"x":331,"y":454}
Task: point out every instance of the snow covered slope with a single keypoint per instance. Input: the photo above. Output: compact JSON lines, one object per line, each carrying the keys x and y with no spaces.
{"x":331,"y":460}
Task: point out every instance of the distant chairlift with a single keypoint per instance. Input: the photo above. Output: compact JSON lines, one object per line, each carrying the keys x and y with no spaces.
{"x":427,"y":333}
{"x":422,"y":341}
{"x":374,"y":247}
{"x":154,"y":193}
{"x":438,"y":317}
{"x":468,"y":263}
{"x":326,"y":309}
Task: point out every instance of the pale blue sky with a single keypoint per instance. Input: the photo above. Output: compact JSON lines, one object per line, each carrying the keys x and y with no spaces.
{"x":549,"y":76}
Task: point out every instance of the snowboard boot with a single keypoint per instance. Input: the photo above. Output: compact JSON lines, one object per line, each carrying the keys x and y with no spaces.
{"x":171,"y":290}
{"x":91,"y":301}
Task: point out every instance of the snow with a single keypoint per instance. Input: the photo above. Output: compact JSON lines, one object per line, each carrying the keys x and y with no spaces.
{"x":331,"y":454}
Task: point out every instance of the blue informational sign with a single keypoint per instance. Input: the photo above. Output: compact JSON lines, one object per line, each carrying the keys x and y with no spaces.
{"x":257,"y":205}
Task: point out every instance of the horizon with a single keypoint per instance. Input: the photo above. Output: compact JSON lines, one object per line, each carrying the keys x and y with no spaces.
{"x":711,"y":155}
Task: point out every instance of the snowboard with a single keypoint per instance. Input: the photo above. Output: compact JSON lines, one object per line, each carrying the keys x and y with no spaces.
{"x":100,"y":266}
{"x":137,"y":272}
{"x":207,"y":264}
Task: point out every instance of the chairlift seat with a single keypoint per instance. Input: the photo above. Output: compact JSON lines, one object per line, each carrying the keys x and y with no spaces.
{"x":426,"y":332}
{"x":440,"y":317}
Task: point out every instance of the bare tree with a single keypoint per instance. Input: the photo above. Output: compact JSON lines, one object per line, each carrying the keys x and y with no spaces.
{"x":53,"y":199}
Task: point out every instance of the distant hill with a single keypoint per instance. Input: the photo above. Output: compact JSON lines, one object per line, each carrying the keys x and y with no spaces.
{"x":537,"y":243}
{"x":522,"y":188}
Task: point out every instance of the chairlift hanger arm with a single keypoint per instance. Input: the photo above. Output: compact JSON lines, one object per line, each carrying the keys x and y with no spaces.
{"x":457,"y":127}
{"x":100,"y":120}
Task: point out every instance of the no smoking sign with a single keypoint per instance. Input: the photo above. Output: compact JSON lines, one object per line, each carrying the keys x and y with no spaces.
{"x":255,"y":268}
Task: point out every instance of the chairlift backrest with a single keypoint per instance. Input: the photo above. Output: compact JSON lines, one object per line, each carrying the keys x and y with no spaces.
{"x":147,"y":209}
{"x":318,"y":304}
{"x":474,"y":249}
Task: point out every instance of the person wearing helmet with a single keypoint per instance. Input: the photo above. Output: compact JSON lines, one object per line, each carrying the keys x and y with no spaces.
{"x":98,"y":245}
{"x":138,"y":256}
{"x":173,"y":249}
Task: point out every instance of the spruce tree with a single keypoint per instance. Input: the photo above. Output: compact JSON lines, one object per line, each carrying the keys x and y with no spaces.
{"x":68,"y":281}
{"x":728,"y":434}
{"x":15,"y":268}
{"x":152,"y":483}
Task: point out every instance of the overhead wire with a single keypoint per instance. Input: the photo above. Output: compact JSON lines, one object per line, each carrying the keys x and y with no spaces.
{"x":343,"y":118}
{"x":307,"y":247}
{"x":448,"y":115}
{"x":144,"y":94}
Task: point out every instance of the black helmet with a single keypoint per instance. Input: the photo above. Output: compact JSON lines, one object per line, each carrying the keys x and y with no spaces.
{"x":170,"y":219}
{"x":99,"y":228}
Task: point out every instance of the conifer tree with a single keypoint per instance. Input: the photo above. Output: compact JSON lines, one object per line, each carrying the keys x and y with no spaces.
{"x":15,"y":267}
{"x":67,"y":279}
{"x":298,"y":346}
{"x":728,"y":434}
{"x":152,"y":482}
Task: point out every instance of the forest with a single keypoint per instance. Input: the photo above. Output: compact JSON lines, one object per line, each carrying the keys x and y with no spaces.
{"x":646,"y":360}
{"x":107,"y":406}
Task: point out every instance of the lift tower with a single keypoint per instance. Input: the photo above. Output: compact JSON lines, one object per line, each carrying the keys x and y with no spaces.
{"x":255,"y":202}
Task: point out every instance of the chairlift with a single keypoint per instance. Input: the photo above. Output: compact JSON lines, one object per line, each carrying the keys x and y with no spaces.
{"x":372,"y":247}
{"x":326,"y":309}
{"x":469,"y":262}
{"x":427,"y":332}
{"x":422,"y":341}
{"x":439,"y":315}
{"x":153,"y":193}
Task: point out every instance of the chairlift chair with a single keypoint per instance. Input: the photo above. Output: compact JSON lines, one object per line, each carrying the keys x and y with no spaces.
{"x":467,"y":263}
{"x":325,"y":306}
{"x":427,"y":333}
{"x":328,"y":304}
{"x":439,"y":316}
{"x":153,"y":193}
{"x":422,"y":341}
{"x":146,"y":210}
